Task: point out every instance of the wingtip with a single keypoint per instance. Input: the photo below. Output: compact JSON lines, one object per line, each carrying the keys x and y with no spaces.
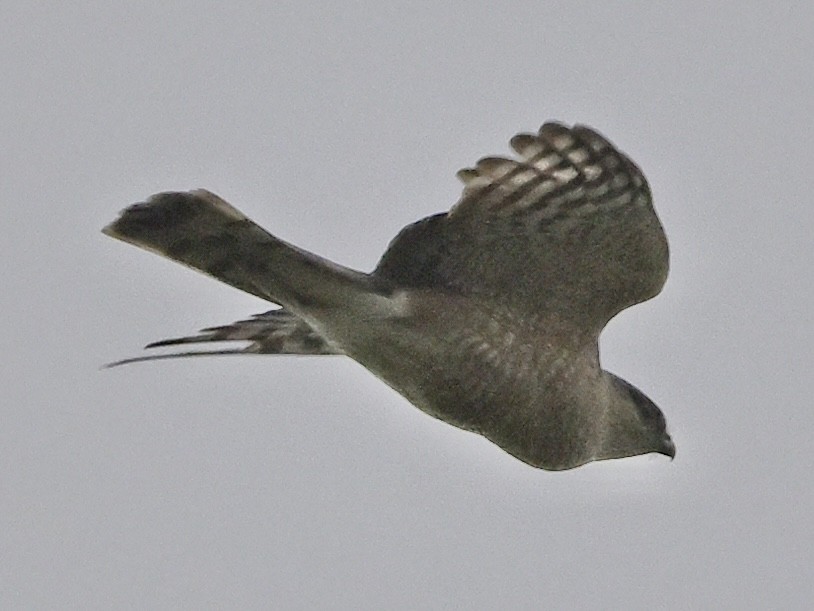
{"x":174,"y":355}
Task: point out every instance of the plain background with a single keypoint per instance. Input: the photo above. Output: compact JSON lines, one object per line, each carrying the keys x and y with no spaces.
{"x":305,"y":483}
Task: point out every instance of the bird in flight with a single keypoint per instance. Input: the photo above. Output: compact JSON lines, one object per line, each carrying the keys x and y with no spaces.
{"x":486,"y":317}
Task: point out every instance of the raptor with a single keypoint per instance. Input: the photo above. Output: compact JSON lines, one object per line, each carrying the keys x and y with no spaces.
{"x":486,"y":317}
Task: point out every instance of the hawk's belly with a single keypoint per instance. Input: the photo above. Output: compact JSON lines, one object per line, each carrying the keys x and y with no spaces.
{"x":485,"y":371}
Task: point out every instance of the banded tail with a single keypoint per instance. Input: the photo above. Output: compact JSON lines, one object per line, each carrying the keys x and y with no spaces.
{"x":204,"y":232}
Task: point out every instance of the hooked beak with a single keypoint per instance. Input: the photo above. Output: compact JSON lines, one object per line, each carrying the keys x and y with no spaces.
{"x":668,"y":448}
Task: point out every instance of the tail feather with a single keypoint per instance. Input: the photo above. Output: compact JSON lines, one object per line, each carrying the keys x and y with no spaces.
{"x":204,"y":232}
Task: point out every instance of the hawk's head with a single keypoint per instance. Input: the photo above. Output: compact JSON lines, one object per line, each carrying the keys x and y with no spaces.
{"x":635,"y":425}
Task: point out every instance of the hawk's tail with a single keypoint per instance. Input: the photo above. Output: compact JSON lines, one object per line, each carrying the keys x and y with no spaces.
{"x":202,"y":231}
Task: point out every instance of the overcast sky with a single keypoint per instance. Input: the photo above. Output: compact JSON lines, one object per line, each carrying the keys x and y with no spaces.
{"x":306,"y":483}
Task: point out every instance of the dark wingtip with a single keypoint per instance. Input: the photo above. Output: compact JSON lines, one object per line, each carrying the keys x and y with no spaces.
{"x":174,"y":355}
{"x":174,"y":341}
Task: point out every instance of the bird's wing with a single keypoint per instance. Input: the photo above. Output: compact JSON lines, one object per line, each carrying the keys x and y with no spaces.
{"x":273,"y":332}
{"x":568,"y":227}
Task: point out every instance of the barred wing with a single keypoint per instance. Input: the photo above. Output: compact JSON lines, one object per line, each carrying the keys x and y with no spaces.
{"x":273,"y":332}
{"x":568,"y":228}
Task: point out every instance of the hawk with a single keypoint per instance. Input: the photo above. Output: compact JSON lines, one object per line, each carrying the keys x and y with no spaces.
{"x":486,"y":317}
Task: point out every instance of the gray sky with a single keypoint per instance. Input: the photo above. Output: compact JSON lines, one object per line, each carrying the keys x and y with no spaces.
{"x":304,"y":483}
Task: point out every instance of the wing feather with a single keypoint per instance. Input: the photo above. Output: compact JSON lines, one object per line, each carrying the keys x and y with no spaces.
{"x":273,"y":332}
{"x":568,"y":226}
